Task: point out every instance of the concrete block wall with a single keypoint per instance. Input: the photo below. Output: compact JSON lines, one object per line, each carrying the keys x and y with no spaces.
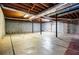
{"x":21,"y":27}
{"x":62,"y":27}
{"x":76,"y":29}
{"x":46,"y":26}
{"x":26,"y":27}
{"x":36,"y":27}
{"x":71,"y":28}
{"x":2,"y":24}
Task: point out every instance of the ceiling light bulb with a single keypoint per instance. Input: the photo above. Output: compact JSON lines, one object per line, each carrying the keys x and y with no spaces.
{"x":26,"y":16}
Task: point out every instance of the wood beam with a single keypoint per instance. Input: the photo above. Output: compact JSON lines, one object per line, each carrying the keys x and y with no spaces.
{"x":68,"y":15}
{"x":36,"y":8}
{"x":45,"y":5}
{"x":17,"y":8}
{"x":76,"y":14}
{"x":16,"y":4}
{"x":29,"y":8}
{"x":38,"y":5}
{"x":25,"y":4}
{"x":73,"y":15}
{"x":32,"y":8}
{"x":21,"y":9}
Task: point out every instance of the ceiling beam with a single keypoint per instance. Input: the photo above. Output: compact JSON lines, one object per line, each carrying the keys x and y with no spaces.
{"x":69,"y":15}
{"x":21,"y":9}
{"x":17,"y":8}
{"x":52,"y":9}
{"x":73,"y":15}
{"x":76,"y":14}
{"x":40,"y":6}
{"x":36,"y":8}
{"x":18,"y":5}
{"x":66,"y":16}
{"x":44,"y":5}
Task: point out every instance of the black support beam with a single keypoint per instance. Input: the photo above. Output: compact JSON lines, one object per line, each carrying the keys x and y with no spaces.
{"x":68,"y":28}
{"x":51,"y":26}
{"x":32,"y":26}
{"x":40,"y":26}
{"x":56,"y":27}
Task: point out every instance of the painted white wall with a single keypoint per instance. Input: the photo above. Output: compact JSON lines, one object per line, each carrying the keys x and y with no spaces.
{"x":21,"y":27}
{"x":24,"y":27}
{"x":46,"y":26}
{"x":2,"y":24}
{"x":73,"y":28}
{"x":65,"y":26}
{"x":36,"y":27}
{"x":62,"y":27}
{"x":77,"y":29}
{"x":53,"y":26}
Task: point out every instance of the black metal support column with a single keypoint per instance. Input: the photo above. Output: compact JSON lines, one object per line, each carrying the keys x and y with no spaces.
{"x":68,"y":28}
{"x":56,"y":27}
{"x":40,"y":26}
{"x":51,"y":26}
{"x":32,"y":26}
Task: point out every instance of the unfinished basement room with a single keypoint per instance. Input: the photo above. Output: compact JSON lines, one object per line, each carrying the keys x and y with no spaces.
{"x":39,"y":28}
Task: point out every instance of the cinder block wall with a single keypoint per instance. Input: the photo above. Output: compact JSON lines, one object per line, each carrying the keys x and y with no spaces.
{"x":26,"y":27}
{"x":2,"y":24}
{"x":72,"y":28}
{"x":76,"y":28}
{"x":21,"y":27}
{"x":62,"y":27}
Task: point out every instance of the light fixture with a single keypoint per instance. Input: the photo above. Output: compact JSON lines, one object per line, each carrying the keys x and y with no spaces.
{"x":27,"y":15}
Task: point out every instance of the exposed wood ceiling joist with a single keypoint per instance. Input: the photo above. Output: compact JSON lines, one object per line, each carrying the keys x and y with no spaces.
{"x":72,"y":15}
{"x":23,"y":7}
{"x":75,"y":13}
{"x":38,"y":7}
{"x":45,"y":5}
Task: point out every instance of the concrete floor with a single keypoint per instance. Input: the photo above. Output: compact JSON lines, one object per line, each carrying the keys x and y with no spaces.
{"x":34,"y":44}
